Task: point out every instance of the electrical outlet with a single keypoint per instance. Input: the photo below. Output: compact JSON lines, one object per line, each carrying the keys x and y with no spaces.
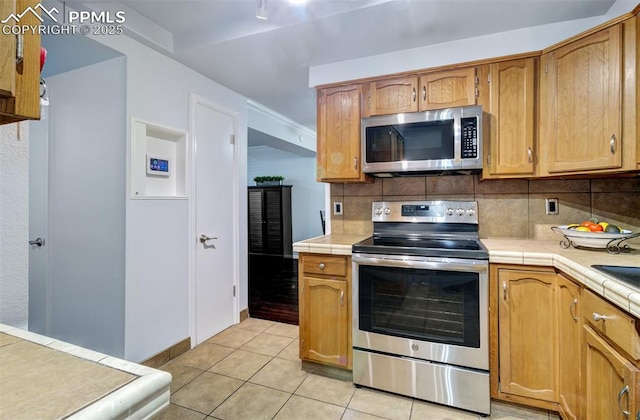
{"x":552,"y":206}
{"x":337,"y":208}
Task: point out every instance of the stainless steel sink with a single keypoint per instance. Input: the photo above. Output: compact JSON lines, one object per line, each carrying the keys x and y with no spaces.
{"x":630,"y":275}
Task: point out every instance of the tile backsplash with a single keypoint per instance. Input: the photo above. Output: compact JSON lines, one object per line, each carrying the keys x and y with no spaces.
{"x":507,"y":208}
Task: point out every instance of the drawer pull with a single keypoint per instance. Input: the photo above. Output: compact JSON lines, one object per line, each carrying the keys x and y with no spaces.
{"x":598,"y":317}
{"x":504,"y":290}
{"x":623,"y":391}
{"x":341,"y":297}
{"x":321,"y":266}
{"x":572,"y":309}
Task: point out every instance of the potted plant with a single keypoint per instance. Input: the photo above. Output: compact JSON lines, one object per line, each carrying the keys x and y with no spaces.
{"x":269,"y":180}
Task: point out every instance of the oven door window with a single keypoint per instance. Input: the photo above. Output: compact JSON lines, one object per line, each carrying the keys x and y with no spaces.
{"x":431,"y":140}
{"x":426,"y":305}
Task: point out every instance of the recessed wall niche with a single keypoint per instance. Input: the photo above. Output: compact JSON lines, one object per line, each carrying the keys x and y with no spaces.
{"x":158,"y":161}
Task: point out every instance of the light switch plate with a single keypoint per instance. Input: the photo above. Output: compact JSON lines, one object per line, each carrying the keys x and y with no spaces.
{"x":552,"y":206}
{"x":337,"y":208}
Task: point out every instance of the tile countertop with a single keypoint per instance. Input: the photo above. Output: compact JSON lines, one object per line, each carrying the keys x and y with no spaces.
{"x":41,"y":377}
{"x":573,"y":262}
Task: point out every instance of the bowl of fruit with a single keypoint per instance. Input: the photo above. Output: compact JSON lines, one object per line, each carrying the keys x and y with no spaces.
{"x":591,"y":233}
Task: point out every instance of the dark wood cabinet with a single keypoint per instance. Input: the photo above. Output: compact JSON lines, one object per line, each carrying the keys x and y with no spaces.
{"x":270,"y":220}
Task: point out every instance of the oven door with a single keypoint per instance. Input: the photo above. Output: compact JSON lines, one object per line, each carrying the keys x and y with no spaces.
{"x":433,"y":309}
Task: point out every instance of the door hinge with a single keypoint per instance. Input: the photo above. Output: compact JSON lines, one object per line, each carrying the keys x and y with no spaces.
{"x":232,"y":138}
{"x":234,"y":291}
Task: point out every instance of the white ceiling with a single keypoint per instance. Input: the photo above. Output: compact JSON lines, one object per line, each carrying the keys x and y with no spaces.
{"x":269,"y":60}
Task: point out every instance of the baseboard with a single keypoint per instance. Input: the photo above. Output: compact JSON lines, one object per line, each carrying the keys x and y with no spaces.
{"x":328,"y":371}
{"x":166,"y":355}
{"x":244,"y":314}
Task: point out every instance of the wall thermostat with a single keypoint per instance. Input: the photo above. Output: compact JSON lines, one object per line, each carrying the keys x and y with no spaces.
{"x":158,"y":165}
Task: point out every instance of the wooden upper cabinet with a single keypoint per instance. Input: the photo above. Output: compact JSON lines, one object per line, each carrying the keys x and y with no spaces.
{"x":448,"y":88}
{"x":392,"y":96}
{"x":527,"y":314}
{"x":338,"y":145}
{"x":582,"y":105}
{"x":7,"y":60}
{"x":19,"y":76}
{"x":510,"y":112}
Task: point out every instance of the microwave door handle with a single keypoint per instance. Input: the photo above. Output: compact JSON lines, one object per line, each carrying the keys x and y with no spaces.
{"x":457,"y":138}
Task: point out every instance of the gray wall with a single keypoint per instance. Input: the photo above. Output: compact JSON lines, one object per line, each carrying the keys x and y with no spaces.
{"x":307,"y":195}
{"x":87,"y":158}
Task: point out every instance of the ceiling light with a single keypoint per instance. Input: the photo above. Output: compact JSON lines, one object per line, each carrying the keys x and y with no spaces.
{"x":297,"y":1}
{"x":262,"y":12}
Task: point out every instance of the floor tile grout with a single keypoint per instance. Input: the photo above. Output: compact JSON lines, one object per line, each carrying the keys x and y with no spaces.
{"x":289,"y":399}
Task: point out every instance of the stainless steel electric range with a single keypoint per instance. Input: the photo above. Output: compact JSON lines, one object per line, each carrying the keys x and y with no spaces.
{"x":420,"y":304}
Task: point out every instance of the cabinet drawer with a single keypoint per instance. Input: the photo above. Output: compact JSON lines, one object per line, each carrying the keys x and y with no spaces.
{"x":325,"y":264}
{"x":611,"y":322}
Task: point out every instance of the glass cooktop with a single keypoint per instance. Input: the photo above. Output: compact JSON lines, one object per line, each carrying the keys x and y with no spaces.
{"x":423,"y":246}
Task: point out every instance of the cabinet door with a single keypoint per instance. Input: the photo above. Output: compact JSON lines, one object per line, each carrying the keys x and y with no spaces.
{"x":512,"y":112}
{"x":273,"y":220}
{"x":23,"y":77}
{"x":392,"y":96}
{"x":325,"y":321}
{"x":569,"y":366}
{"x":527,"y":316}
{"x":8,"y":57}
{"x":583,"y":104}
{"x":339,"y":142}
{"x":256,"y":221}
{"x":610,"y":381}
{"x":445,"y":89}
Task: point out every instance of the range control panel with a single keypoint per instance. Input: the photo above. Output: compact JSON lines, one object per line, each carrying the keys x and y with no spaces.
{"x":425,"y":211}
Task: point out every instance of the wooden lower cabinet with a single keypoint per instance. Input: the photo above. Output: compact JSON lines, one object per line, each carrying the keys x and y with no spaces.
{"x":535,"y":330}
{"x":569,"y":335}
{"x":611,"y":386}
{"x":325,"y":309}
{"x":528,"y":331}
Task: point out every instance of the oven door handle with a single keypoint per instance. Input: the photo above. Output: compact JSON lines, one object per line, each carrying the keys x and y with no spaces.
{"x":440,"y":264}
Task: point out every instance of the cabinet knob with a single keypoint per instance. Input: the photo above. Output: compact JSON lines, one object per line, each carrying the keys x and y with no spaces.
{"x":598,"y":317}
{"x":321,"y":266}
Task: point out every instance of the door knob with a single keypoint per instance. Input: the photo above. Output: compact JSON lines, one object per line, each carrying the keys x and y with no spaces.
{"x":205,"y":238}
{"x":37,"y":242}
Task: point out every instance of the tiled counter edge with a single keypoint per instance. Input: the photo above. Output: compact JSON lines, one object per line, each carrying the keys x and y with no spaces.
{"x":141,"y":398}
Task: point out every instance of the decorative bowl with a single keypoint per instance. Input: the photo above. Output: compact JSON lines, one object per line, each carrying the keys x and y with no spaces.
{"x":590,"y":239}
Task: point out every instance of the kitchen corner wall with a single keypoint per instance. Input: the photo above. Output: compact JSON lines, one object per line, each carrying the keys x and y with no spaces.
{"x":507,"y":208}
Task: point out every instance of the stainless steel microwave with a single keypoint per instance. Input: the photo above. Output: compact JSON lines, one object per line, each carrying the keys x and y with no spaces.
{"x":422,"y":142}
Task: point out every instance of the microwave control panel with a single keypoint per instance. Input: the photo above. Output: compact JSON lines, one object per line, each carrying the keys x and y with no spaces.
{"x":469,"y":138}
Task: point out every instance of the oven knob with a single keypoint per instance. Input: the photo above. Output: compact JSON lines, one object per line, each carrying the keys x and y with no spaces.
{"x":414,"y":347}
{"x":471,"y":212}
{"x":387,"y":210}
{"x":460,"y":212}
{"x":450,"y":211}
{"x":378,"y":211}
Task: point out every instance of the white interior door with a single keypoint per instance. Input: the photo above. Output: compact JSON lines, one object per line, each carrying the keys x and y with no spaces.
{"x":215,"y":236}
{"x":39,"y":287}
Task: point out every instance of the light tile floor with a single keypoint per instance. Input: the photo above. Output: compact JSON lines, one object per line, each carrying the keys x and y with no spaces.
{"x":251,"y":371}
